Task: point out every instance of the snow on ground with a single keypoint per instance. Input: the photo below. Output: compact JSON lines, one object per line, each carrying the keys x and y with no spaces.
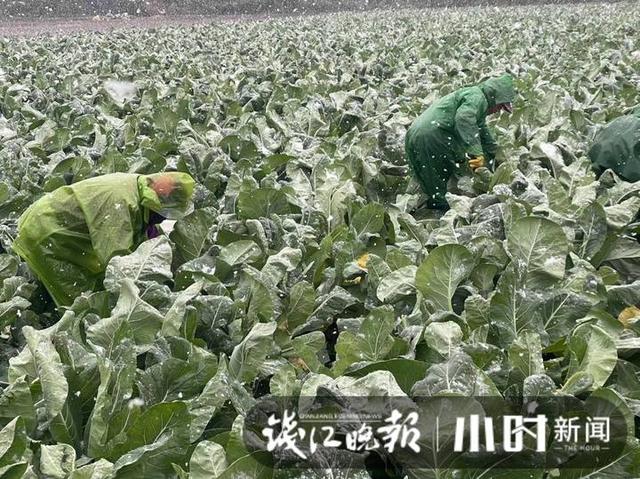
{"x":13,"y":28}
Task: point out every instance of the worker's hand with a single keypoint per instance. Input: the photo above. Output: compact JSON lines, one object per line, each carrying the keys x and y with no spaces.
{"x":476,"y":162}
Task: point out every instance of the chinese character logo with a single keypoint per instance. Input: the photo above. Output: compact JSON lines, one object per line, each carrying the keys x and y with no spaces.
{"x":397,"y":432}
{"x":514,"y":429}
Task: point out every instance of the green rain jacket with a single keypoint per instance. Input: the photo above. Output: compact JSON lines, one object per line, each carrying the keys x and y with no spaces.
{"x":439,"y":139}
{"x":617,"y":146}
{"x":68,"y":236}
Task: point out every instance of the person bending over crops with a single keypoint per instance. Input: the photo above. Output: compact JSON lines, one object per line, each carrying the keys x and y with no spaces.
{"x":617,"y":147}
{"x":68,"y":236}
{"x":451,"y":137}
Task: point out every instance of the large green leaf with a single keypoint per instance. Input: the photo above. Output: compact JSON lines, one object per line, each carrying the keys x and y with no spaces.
{"x":176,"y":378}
{"x":50,"y":371}
{"x":16,"y":400}
{"x":593,"y":226}
{"x":443,"y":337}
{"x":238,"y":148}
{"x":406,"y":372}
{"x":513,"y":307}
{"x":13,"y":442}
{"x":57,"y":461}
{"x":220,"y":388}
{"x":10,"y":310}
{"x":254,"y":466}
{"x":327,"y":307}
{"x":441,"y":273}
{"x":262,"y":203}
{"x":399,"y":283}
{"x":559,"y":312}
{"x":207,"y":460}
{"x":116,"y":387}
{"x":457,"y":375}
{"x":540,"y":247}
{"x":591,"y":351}
{"x":100,"y":469}
{"x":237,"y":253}
{"x":175,"y":316}
{"x":368,"y":221}
{"x":621,"y":214}
{"x":190,"y":234}
{"x":144,"y":320}
{"x":308,"y":350}
{"x":372,"y":343}
{"x":301,"y":303}
{"x":258,"y":296}
{"x":155,"y":440}
{"x":150,"y":262}
{"x":247,"y":357}
{"x":525,"y":354}
{"x":281,"y":263}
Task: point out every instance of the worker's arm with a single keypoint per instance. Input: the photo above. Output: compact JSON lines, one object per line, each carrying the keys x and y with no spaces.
{"x":467,"y":125}
{"x":489,"y":145}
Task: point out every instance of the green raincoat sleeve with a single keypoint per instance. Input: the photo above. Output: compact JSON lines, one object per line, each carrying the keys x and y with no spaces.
{"x":468,"y":121}
{"x":497,"y":91}
{"x":489,"y":145}
{"x":617,"y":146}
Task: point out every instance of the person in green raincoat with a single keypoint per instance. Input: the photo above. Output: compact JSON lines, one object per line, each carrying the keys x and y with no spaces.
{"x":451,"y":137}
{"x":617,"y":147}
{"x":68,"y":236}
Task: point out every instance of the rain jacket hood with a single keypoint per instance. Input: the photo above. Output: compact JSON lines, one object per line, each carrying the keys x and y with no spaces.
{"x":498,"y":90}
{"x":68,"y":236}
{"x":168,"y":194}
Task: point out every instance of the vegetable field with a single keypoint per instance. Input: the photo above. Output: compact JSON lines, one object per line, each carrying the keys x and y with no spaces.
{"x":304,"y":267}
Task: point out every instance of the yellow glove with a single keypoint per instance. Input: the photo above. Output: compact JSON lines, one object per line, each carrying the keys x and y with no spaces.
{"x":629,"y":316}
{"x":476,"y":162}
